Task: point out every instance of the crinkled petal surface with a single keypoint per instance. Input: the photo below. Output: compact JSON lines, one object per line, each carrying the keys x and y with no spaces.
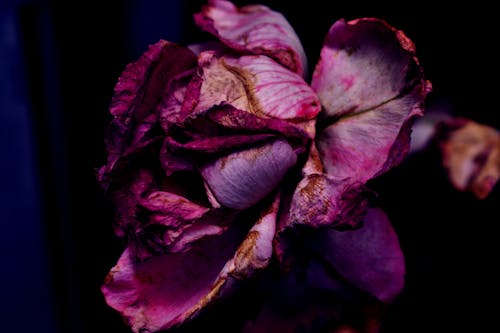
{"x":322,"y":201}
{"x":370,"y":85}
{"x":254,"y":83}
{"x":135,"y":100}
{"x":370,"y":257}
{"x":241,"y":179}
{"x":255,"y":29}
{"x":168,"y":289}
{"x":471,"y":154}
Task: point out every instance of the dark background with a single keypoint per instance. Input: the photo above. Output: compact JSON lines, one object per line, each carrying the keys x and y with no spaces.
{"x":59,"y":62}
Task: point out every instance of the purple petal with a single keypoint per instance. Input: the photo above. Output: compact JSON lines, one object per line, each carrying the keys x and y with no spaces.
{"x":370,"y":78}
{"x":256,"y":84}
{"x":243,"y":178}
{"x":136,"y":97}
{"x":312,"y":299}
{"x":255,"y":29}
{"x":369,"y":257}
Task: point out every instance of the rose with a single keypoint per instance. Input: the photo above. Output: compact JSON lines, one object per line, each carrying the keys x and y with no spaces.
{"x":215,"y":160}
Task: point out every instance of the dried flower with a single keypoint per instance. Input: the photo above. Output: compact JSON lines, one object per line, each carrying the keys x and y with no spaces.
{"x":220,"y":154}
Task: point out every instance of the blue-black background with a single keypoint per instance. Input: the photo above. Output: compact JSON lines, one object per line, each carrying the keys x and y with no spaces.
{"x":59,"y":61}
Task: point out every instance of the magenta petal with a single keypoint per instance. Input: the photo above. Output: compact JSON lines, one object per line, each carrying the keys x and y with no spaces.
{"x":170,"y":111}
{"x":127,"y":197}
{"x":166,"y":290}
{"x":369,"y":257}
{"x":256,"y":29}
{"x":253,"y":83}
{"x":243,"y":178}
{"x":235,"y":119}
{"x":218,"y":143}
{"x":136,"y":97}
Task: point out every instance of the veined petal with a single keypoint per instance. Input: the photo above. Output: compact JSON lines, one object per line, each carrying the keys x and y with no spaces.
{"x":368,"y":144}
{"x":256,"y":29}
{"x":256,"y":84}
{"x":371,"y":87}
{"x":241,"y":179}
{"x":369,"y":257}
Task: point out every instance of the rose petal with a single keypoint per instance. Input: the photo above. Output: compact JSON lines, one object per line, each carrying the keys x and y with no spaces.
{"x":471,"y":154}
{"x":364,"y":63}
{"x":170,"y":110}
{"x":164,"y":218}
{"x":256,"y":251}
{"x":135,"y":100}
{"x":127,"y":196}
{"x":217,"y":144}
{"x":231,"y":118}
{"x":322,"y":201}
{"x":368,"y":76}
{"x":311,"y":298}
{"x":256,"y":84}
{"x":166,"y":290}
{"x":255,"y":29}
{"x":370,"y":257}
{"x":243,"y":178}
{"x":368,"y":144}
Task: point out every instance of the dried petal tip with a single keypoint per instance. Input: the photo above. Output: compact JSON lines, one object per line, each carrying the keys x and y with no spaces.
{"x":471,"y":154}
{"x":371,"y":86}
{"x":255,"y":29}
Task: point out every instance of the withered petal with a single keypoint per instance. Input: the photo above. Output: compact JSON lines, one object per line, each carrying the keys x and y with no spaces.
{"x":320,"y":200}
{"x":371,"y":86}
{"x":256,"y":29}
{"x":165,"y":290}
{"x":254,"y":83}
{"x":136,"y":97}
{"x":370,"y":257}
{"x":168,"y":289}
